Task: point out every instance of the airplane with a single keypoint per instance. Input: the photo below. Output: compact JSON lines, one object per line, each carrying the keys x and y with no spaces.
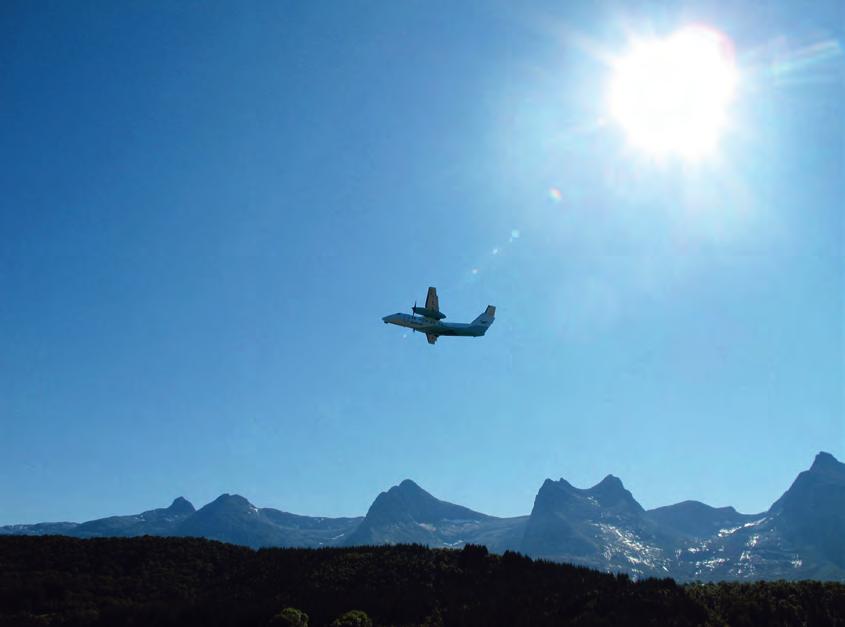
{"x":429,"y":320}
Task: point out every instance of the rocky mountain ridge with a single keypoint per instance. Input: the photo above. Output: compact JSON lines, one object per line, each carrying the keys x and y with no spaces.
{"x":802,"y":535}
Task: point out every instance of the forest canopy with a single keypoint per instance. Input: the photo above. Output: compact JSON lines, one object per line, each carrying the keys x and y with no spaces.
{"x":53,"y":580}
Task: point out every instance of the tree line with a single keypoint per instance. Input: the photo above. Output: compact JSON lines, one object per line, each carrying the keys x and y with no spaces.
{"x":55,"y":580}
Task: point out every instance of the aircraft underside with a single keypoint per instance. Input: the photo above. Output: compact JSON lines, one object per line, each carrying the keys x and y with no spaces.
{"x":429,"y":320}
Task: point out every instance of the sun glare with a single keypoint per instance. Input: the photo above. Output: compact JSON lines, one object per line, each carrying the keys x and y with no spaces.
{"x":671,"y":95}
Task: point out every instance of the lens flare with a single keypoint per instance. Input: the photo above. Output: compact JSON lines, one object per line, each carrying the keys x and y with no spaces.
{"x":794,"y":66}
{"x":671,"y":96}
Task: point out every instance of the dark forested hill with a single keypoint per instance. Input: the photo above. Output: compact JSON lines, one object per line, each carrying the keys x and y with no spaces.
{"x":52,"y":580}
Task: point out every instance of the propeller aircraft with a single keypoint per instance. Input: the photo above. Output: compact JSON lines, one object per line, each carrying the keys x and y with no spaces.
{"x":429,"y":320}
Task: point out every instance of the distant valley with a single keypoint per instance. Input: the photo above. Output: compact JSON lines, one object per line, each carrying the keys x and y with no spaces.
{"x":801,"y":536}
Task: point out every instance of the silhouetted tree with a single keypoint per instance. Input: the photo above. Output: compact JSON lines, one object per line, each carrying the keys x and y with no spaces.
{"x":353,"y":618}
{"x":289,"y":617}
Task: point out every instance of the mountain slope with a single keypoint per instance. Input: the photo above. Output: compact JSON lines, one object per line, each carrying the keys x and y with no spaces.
{"x":694,"y":519}
{"x":154,"y":522}
{"x":802,"y":536}
{"x":603,"y":527}
{"x":408,"y":514}
{"x":40,"y":529}
{"x":812,"y":511}
{"x":231,"y":518}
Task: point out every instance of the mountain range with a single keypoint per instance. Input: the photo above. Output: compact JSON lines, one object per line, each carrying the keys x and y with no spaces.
{"x":801,"y":536}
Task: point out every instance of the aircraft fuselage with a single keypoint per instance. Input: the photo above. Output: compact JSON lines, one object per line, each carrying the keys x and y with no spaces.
{"x":430,"y":326}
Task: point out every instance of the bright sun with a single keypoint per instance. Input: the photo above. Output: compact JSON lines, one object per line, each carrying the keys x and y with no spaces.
{"x":671,"y":96}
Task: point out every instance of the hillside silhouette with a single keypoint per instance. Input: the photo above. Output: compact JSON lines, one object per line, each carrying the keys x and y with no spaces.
{"x":52,"y":580}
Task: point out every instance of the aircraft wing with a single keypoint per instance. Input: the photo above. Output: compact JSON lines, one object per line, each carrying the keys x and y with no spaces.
{"x":431,"y":301}
{"x":430,"y":336}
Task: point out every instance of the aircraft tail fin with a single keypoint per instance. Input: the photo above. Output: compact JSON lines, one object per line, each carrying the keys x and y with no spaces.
{"x":487,"y":318}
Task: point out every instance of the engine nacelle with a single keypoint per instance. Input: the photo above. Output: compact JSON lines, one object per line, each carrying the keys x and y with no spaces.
{"x":429,"y":313}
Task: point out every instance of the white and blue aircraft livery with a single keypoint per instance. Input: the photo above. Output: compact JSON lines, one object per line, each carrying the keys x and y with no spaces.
{"x":429,"y":320}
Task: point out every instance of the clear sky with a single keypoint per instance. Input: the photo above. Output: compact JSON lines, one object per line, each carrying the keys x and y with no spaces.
{"x":208,"y":207}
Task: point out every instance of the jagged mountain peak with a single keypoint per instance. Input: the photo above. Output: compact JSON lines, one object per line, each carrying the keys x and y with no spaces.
{"x":407,"y":513}
{"x":557,"y":489}
{"x":229,"y":502}
{"x":610,"y":480}
{"x":825,"y":471}
{"x":409,"y":499}
{"x":409,"y":487}
{"x":405,"y":495}
{"x":610,"y":484}
{"x":827,"y":463}
{"x":551,"y":484}
{"x":609,"y":492}
{"x":181,"y":505}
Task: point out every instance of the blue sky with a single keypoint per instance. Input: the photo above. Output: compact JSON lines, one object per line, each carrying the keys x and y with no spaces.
{"x":207,"y":209}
